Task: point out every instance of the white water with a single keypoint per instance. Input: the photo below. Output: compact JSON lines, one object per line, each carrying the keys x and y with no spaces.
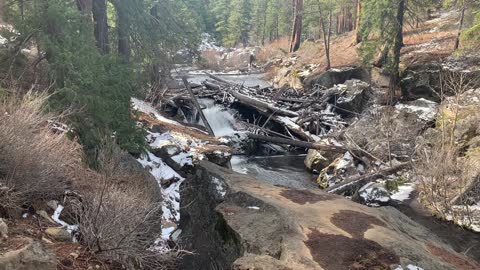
{"x":220,"y":119}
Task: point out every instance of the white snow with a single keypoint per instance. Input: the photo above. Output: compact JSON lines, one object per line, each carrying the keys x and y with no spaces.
{"x":183,"y":159}
{"x":345,"y":161}
{"x":208,"y":43}
{"x":409,"y":267}
{"x":425,"y":109}
{"x":56,"y":217}
{"x":404,"y":192}
{"x":222,"y":191}
{"x":144,"y":107}
{"x":171,"y":194}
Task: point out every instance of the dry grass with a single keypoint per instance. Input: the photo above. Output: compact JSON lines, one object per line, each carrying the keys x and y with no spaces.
{"x":276,"y":49}
{"x":118,"y":208}
{"x":35,"y":164}
{"x":211,"y":59}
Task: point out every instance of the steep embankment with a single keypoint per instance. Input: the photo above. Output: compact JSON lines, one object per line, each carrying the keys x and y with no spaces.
{"x":232,"y":218}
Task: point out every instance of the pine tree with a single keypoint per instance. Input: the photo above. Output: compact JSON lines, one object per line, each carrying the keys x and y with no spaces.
{"x":258,"y":24}
{"x":238,"y":23}
{"x":221,"y":10}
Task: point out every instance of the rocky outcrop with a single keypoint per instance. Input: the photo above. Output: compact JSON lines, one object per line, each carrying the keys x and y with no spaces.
{"x":231,"y":220}
{"x":32,"y":255}
{"x":425,"y":80}
{"x":337,"y":76}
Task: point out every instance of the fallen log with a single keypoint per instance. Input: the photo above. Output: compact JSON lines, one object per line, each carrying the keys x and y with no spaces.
{"x":356,"y":182}
{"x":253,"y":102}
{"x":301,"y":144}
{"x":195,"y":102}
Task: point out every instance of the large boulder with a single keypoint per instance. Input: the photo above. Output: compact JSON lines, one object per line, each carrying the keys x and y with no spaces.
{"x":341,"y":168}
{"x":32,"y":255}
{"x":317,"y":160}
{"x":425,"y":80}
{"x":373,"y":194}
{"x":333,"y":76}
{"x":353,"y":98}
{"x":260,"y":226}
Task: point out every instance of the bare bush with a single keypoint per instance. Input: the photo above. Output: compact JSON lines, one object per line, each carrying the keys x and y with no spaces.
{"x":35,"y":163}
{"x":447,"y":165}
{"x":120,"y":217}
{"x":212,"y":59}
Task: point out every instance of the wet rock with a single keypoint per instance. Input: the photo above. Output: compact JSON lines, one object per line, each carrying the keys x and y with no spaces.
{"x":59,"y":234}
{"x":373,"y":194}
{"x":31,"y":256}
{"x":264,"y":262}
{"x":260,"y":226}
{"x":337,"y":76}
{"x":218,"y":155}
{"x":317,"y":160}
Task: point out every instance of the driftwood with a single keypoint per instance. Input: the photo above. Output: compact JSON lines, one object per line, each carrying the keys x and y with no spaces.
{"x":357,"y":181}
{"x":302,"y":144}
{"x":252,"y":102}
{"x":195,"y":101}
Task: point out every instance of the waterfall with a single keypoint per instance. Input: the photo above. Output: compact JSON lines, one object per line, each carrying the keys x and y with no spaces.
{"x":220,"y":119}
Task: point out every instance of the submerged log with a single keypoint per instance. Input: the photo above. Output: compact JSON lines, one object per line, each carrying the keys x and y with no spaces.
{"x":302,"y":144}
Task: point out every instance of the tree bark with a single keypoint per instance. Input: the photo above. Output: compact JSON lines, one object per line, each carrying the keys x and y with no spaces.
{"x":85,"y":6}
{"x":301,"y":144}
{"x":326,"y":36}
{"x":123,"y":30}
{"x":397,"y":47}
{"x":358,"y":21}
{"x":99,"y":10}
{"x":296,"y":25}
{"x":462,"y":19}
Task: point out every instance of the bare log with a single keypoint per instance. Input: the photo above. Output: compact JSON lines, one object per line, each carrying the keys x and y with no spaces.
{"x":302,"y":144}
{"x":195,"y":101}
{"x":244,"y":99}
{"x":358,"y":181}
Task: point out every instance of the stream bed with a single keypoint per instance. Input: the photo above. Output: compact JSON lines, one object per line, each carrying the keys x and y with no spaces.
{"x":289,"y":170}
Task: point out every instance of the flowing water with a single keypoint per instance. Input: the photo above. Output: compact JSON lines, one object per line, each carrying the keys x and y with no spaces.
{"x":289,"y":171}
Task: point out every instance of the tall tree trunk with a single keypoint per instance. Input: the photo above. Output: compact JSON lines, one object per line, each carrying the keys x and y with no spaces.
{"x":462,"y":19}
{"x":358,"y":21}
{"x":397,"y":49}
{"x":123,"y":30}
{"x":296,"y":25}
{"x":326,"y":36}
{"x":85,"y":6}
{"x":99,"y":10}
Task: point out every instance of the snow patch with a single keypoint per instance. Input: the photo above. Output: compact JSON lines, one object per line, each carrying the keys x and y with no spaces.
{"x":219,"y":186}
{"x":404,"y":192}
{"x":70,"y":228}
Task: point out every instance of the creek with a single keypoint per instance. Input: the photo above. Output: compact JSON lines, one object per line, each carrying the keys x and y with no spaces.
{"x":288,"y":169}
